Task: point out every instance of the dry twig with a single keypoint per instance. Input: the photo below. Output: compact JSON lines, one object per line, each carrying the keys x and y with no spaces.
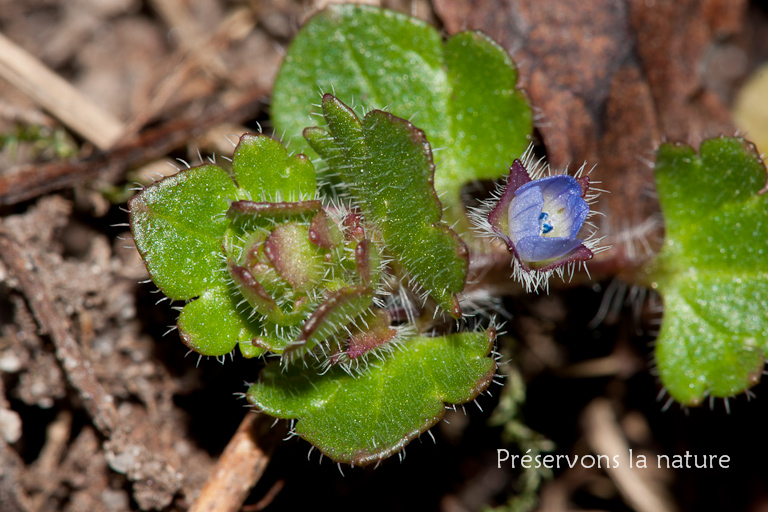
{"x":605,"y":438}
{"x":239,"y":468}
{"x":55,"y":94}
{"x":33,"y":180}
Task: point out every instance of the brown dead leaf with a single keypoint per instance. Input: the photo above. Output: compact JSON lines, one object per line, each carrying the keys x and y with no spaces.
{"x":610,"y":81}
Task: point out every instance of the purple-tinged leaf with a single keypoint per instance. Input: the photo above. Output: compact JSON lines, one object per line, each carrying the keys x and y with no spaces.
{"x":323,"y":231}
{"x":240,"y":210}
{"x":363,"y":261}
{"x":294,"y":257}
{"x":337,"y":311}
{"x":377,"y":334}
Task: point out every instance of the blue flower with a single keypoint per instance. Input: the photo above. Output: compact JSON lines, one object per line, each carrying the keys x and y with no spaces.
{"x":544,"y":218}
{"x":539,"y":220}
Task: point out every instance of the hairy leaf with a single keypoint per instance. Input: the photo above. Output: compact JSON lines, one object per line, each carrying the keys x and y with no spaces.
{"x":363,"y":419}
{"x":179,"y":225}
{"x":386,"y":163}
{"x":461,"y":93}
{"x":212,"y":325}
{"x":712,"y":271}
{"x":263,"y":168}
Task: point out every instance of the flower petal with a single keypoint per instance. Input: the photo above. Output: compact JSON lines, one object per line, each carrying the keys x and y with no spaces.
{"x":534,"y":249}
{"x":563,"y":202}
{"x":571,"y":220}
{"x":556,"y":187}
{"x":524,"y":211}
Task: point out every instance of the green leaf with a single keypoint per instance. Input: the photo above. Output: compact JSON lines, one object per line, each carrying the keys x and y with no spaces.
{"x":178,"y":225}
{"x":489,"y":120}
{"x":212,"y":325}
{"x":363,"y":419}
{"x":462,"y":93}
{"x":387,"y":164}
{"x":712,"y":271}
{"x":263,"y":168}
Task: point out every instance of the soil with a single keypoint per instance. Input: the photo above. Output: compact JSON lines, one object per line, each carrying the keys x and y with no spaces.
{"x":101,"y":406}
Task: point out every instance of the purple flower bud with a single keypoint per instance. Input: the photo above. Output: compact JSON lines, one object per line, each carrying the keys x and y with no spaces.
{"x":539,"y":220}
